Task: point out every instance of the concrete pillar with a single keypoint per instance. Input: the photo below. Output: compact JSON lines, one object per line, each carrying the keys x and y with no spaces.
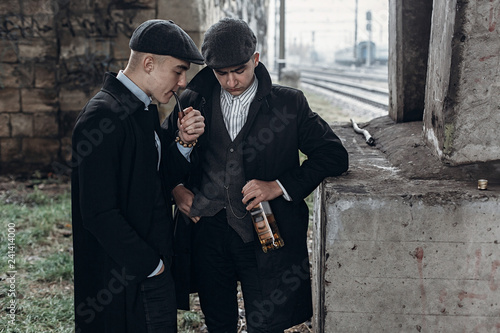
{"x":463,"y":94}
{"x":404,"y":243}
{"x":409,"y":33}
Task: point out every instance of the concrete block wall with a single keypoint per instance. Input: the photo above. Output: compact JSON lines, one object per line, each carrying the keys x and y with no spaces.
{"x":401,"y":249}
{"x":462,"y":96}
{"x":54,"y":53}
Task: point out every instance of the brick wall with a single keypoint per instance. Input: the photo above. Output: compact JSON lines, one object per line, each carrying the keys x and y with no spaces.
{"x":53,"y":54}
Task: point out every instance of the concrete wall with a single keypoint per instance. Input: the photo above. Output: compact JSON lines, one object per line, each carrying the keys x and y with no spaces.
{"x":463,"y":94}
{"x":53,"y":54}
{"x":404,"y":242}
{"x":398,"y":249}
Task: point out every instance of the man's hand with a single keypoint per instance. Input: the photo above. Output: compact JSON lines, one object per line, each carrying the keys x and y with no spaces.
{"x":191,"y":126}
{"x":184,"y":200}
{"x":256,"y":191}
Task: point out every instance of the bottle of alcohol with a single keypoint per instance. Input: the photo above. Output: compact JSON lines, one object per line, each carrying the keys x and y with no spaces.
{"x":266,"y":227}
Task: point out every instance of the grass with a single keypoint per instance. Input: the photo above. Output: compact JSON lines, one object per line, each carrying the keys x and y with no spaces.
{"x":325,"y":108}
{"x":41,"y":256}
{"x":189,"y":321}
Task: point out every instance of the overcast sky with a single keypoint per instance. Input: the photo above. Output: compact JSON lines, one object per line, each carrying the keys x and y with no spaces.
{"x":332,"y":21}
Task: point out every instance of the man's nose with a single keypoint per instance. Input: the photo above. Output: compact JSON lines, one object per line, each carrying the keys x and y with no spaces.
{"x":231,"y":80}
{"x":182,"y":80}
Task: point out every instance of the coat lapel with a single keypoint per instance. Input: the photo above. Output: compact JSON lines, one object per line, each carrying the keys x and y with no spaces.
{"x":252,"y":114}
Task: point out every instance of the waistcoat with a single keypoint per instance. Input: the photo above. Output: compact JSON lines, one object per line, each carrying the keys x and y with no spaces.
{"x":223,"y":176}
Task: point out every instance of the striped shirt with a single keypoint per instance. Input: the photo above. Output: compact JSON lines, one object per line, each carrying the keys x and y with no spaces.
{"x":235,"y":108}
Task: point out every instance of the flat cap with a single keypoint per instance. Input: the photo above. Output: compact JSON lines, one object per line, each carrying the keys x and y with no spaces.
{"x":165,"y":38}
{"x":229,"y":42}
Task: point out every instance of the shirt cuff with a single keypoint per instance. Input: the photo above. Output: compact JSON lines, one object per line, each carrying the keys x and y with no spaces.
{"x":285,"y":193}
{"x":186,"y":152}
{"x":157,"y":269}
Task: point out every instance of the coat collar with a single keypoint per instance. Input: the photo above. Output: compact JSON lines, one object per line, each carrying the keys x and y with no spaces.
{"x":122,"y":94}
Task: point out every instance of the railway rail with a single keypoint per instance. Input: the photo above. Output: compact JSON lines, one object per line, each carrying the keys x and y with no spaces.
{"x":367,"y":88}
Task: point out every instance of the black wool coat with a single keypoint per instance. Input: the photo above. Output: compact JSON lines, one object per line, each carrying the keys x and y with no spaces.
{"x":282,"y":125}
{"x":116,"y":242}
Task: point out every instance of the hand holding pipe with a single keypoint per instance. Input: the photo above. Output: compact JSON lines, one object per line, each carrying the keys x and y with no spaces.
{"x":368,"y":138}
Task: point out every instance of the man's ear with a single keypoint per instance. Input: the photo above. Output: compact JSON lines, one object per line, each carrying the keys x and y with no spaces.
{"x":148,"y":63}
{"x":256,"y":59}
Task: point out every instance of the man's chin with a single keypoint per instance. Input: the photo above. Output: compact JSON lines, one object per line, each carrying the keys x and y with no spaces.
{"x":235,"y":92}
{"x":165,"y":99}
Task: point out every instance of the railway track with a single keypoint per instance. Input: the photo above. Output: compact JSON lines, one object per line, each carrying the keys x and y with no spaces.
{"x":370,"y":89}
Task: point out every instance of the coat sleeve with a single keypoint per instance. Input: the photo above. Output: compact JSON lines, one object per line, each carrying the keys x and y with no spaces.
{"x":99,"y":192}
{"x":176,"y":167}
{"x":326,"y":156}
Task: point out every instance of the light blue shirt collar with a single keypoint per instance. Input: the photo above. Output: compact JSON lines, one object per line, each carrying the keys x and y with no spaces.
{"x":134,"y":89}
{"x":141,"y":95}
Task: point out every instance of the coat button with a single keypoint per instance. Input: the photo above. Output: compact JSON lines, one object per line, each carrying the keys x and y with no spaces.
{"x":231,"y":150}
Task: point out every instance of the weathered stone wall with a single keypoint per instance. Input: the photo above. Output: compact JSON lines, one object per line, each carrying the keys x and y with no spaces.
{"x":462,"y":96}
{"x":53,"y":54}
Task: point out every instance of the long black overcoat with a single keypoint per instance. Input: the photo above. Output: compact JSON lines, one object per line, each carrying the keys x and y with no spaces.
{"x":116,"y":243}
{"x":282,"y":125}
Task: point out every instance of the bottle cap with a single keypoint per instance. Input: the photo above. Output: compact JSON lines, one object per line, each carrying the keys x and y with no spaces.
{"x":482,"y":184}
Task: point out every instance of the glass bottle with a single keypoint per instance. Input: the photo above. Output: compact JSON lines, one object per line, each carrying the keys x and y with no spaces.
{"x":266,"y":227}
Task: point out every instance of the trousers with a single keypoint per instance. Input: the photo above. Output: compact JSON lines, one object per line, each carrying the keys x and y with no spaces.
{"x":222,"y":260}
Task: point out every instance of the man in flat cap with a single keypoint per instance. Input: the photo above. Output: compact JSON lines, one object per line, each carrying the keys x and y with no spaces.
{"x":249,"y":154}
{"x":123,"y":173}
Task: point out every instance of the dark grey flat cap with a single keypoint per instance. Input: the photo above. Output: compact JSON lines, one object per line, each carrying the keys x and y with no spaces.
{"x":229,"y":42}
{"x":165,"y":38}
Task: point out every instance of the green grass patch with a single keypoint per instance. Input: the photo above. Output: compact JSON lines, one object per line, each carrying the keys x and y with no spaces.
{"x":310,"y":198}
{"x":57,"y":267}
{"x":189,"y":321}
{"x":45,"y":311}
{"x":39,"y":251}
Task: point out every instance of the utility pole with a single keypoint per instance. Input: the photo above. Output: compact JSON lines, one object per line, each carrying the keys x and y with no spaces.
{"x":281,"y":60}
{"x":276,"y":37}
{"x":313,"y":48}
{"x":369,"y":47}
{"x":355,"y":48}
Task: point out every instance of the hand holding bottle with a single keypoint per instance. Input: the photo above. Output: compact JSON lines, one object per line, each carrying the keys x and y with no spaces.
{"x":256,"y":191}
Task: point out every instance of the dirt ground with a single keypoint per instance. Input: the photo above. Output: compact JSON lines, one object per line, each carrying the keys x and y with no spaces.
{"x":13,"y":188}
